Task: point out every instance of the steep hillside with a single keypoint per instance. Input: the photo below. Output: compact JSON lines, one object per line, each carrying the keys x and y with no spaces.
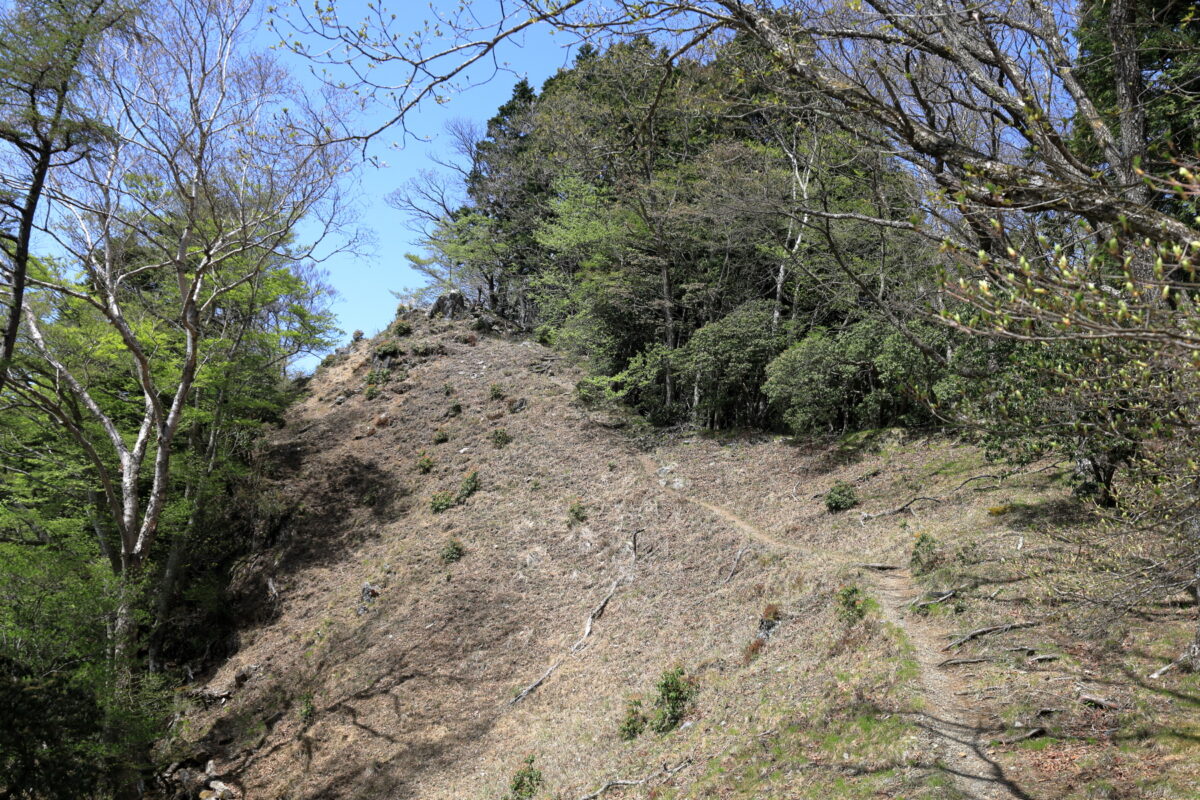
{"x":413,"y":632}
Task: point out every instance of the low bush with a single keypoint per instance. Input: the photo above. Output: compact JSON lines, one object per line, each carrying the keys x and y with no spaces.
{"x":674,"y":694}
{"x":468,"y":487}
{"x":389,"y":350}
{"x":424,"y":464}
{"x":402,"y":327}
{"x":841,"y":497}
{"x":500,"y":438}
{"x":634,"y":721}
{"x":525,"y":782}
{"x":577,"y":512}
{"x":926,"y":554}
{"x":453,"y":551}
{"x":852,"y":604}
{"x":440,"y":436}
{"x":496,"y":391}
{"x":441,"y":501}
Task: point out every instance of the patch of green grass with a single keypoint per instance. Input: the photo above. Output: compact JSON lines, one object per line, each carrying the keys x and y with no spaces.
{"x":424,"y":464}
{"x":496,"y":392}
{"x":577,"y":512}
{"x":501,"y":438}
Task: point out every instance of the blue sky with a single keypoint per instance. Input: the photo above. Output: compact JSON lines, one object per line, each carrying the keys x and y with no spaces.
{"x":364,"y":282}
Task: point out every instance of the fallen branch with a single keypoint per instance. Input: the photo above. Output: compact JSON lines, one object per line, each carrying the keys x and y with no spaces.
{"x":955,"y":662}
{"x":1029,"y":734}
{"x":864,"y":516}
{"x":1098,"y":702}
{"x":737,"y":560}
{"x":878,"y":567}
{"x":665,"y":772}
{"x":1158,"y":673}
{"x":975,"y":634}
{"x":597,"y":612}
{"x":915,"y":604}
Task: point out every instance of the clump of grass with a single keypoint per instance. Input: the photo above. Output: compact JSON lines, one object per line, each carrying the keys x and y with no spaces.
{"x":500,"y":438}
{"x":496,"y":392}
{"x":447,"y":389}
{"x":577,"y":512}
{"x":453,"y":551}
{"x":634,"y":721}
{"x":424,"y":463}
{"x":371,"y":392}
{"x":441,"y":501}
{"x":926,"y":554}
{"x":440,"y":436}
{"x":841,"y":497}
{"x":1000,"y":510}
{"x":852,"y":604}
{"x":402,"y":327}
{"x":454,"y":410}
{"x":675,"y":692}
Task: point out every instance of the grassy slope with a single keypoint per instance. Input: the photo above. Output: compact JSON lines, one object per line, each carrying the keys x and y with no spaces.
{"x":409,"y":698}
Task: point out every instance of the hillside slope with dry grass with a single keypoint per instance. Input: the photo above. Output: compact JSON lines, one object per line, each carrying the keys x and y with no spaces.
{"x":463,"y":568}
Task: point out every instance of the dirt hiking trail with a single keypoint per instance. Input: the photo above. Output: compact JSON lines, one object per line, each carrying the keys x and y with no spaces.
{"x":959,"y":744}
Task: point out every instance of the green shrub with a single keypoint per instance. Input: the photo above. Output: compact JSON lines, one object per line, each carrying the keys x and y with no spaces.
{"x":371,"y":392}
{"x":389,"y":350}
{"x":307,"y":710}
{"x":496,"y":391}
{"x":852,"y":604}
{"x":525,"y":782}
{"x":926,"y":554}
{"x":401,"y":328}
{"x":454,"y":410}
{"x":377,"y":377}
{"x":841,"y":497}
{"x":447,"y":389}
{"x":440,"y":436}
{"x":441,"y":501}
{"x":674,"y":693}
{"x":425,"y":349}
{"x":634,"y":722}
{"x":424,"y":464}
{"x":500,"y":438}
{"x":453,"y":551}
{"x":468,"y":487}
{"x":577,"y":512}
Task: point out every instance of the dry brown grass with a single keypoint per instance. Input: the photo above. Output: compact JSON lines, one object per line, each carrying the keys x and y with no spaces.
{"x":410,"y":698}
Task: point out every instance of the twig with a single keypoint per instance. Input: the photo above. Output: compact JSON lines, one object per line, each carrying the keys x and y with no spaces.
{"x":665,"y":772}
{"x":1011,"y":626}
{"x":878,"y":567}
{"x":737,"y":560}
